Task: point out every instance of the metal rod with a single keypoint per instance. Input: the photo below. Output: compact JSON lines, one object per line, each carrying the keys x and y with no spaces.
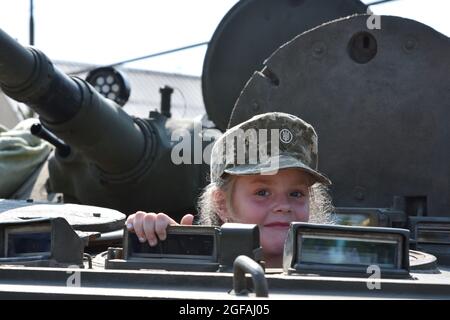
{"x":40,"y":131}
{"x":31,"y":23}
{"x":379,"y":2}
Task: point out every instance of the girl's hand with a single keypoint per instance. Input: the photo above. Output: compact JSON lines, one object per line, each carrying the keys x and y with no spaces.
{"x":151,"y":226}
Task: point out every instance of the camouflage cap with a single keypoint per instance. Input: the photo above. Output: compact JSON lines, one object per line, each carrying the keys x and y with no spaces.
{"x":265,"y":144}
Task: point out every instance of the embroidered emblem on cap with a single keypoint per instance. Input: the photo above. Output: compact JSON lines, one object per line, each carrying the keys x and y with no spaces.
{"x":285,"y":136}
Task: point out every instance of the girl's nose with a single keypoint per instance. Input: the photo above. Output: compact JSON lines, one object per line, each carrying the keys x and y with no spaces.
{"x":282,"y":205}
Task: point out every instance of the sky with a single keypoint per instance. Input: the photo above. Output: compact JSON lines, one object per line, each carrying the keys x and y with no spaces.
{"x":107,"y":31}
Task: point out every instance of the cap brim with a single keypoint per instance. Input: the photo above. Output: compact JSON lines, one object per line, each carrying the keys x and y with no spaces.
{"x":273,"y":164}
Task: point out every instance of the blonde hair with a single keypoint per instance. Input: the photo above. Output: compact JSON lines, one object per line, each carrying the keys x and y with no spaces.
{"x":321,"y":209}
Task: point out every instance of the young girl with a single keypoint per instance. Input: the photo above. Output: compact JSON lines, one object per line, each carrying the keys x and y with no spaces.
{"x":264,"y":172}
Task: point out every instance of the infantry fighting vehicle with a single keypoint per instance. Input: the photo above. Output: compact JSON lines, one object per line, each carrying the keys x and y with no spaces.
{"x":375,"y":88}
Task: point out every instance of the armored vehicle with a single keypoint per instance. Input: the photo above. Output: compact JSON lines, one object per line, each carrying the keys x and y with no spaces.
{"x":376,"y":88}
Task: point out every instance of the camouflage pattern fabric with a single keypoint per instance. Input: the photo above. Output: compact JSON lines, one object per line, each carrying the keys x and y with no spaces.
{"x":267,"y":143}
{"x":20,"y":154}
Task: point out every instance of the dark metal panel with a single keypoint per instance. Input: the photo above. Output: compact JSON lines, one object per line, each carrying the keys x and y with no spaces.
{"x":383,"y":125}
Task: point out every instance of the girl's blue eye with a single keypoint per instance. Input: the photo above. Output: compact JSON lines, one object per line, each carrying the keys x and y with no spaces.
{"x":262,"y":193}
{"x":296,"y":194}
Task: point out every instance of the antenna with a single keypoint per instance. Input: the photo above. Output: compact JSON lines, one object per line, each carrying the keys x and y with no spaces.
{"x":379,"y":2}
{"x":31,"y":23}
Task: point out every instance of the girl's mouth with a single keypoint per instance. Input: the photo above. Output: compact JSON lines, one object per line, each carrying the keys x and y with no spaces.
{"x":277,"y":225}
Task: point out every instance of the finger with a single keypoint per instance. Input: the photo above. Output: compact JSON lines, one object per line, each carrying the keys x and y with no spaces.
{"x":149,"y":229}
{"x":161,"y":223}
{"x":129,"y":222}
{"x":138,"y":225}
{"x":187,"y":220}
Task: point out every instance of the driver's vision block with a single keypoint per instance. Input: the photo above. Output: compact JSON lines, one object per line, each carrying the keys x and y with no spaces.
{"x":346,"y":250}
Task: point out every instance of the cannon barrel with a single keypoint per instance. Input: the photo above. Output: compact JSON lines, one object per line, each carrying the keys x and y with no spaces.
{"x":71,"y":108}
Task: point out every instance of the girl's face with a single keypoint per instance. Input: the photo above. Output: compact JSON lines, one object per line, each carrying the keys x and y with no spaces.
{"x":272,"y":202}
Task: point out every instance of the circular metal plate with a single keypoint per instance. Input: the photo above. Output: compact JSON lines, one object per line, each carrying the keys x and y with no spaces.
{"x":422,"y":262}
{"x":80,"y":217}
{"x":248,"y":35}
{"x":381,"y":110}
